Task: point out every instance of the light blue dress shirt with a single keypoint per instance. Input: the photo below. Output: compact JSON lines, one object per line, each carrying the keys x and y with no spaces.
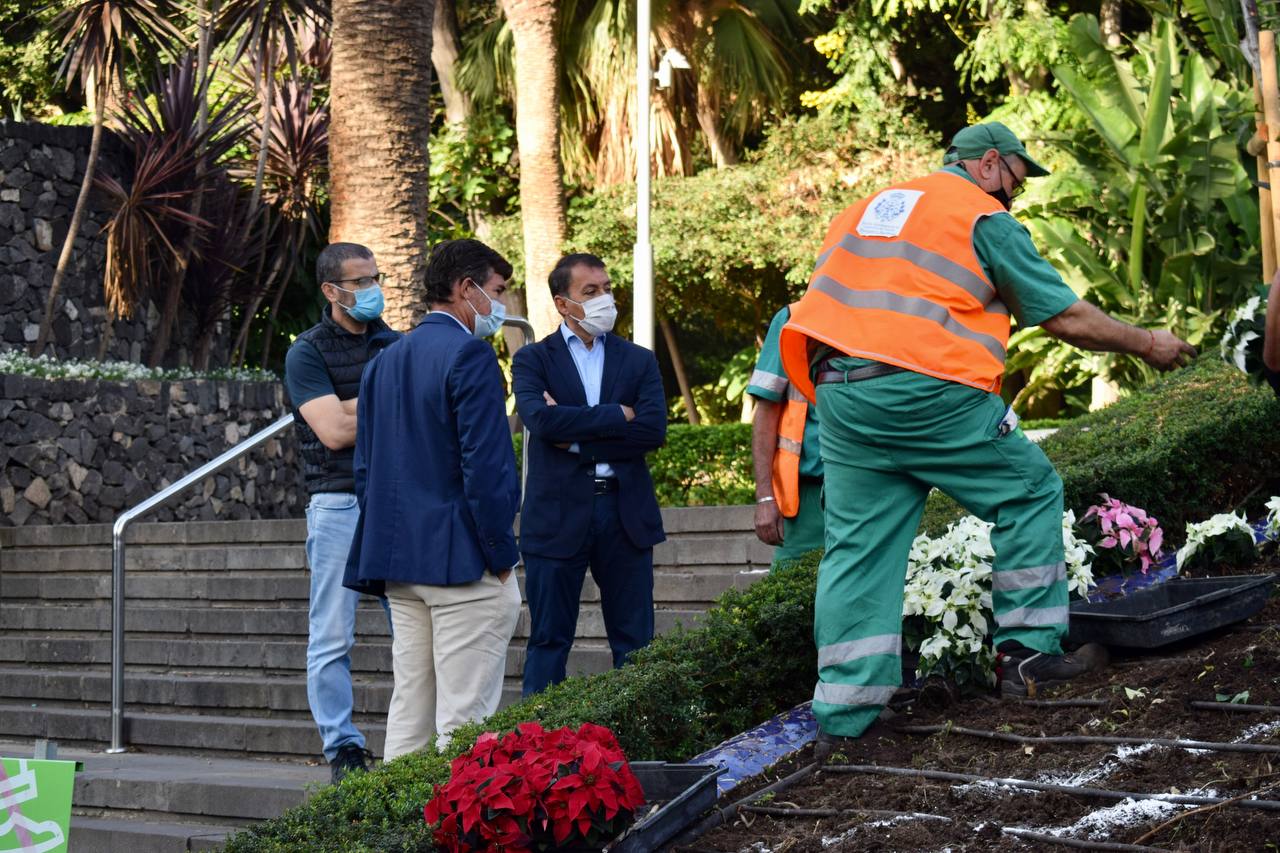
{"x":590,"y":364}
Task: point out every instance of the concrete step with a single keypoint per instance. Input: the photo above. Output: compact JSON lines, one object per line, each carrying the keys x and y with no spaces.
{"x":241,"y":736}
{"x":216,"y":692}
{"x":197,"y":787}
{"x":367,"y":657}
{"x":217,"y":622}
{"x":676,"y":521}
{"x":125,"y":835}
{"x":695,"y":587}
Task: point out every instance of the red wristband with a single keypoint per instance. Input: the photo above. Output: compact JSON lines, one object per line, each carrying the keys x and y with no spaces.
{"x":1151,"y":345}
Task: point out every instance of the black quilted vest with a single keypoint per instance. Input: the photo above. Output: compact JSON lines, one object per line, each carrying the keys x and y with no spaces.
{"x":345,"y":356}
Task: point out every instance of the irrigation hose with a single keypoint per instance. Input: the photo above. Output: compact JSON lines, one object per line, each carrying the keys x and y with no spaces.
{"x":1229,"y":706}
{"x":1028,"y":785}
{"x":723,"y":815}
{"x":1028,"y":835}
{"x":1009,"y":737}
{"x":775,"y":811}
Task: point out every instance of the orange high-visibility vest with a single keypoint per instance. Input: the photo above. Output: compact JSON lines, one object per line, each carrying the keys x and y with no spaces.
{"x":786,"y":458}
{"x":898,"y":282}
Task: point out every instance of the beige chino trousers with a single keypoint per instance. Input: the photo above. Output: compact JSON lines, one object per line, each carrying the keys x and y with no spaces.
{"x":449,"y":656}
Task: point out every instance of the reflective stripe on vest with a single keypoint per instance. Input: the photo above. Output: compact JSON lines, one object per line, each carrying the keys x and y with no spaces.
{"x":786,"y":459}
{"x":919,"y":299}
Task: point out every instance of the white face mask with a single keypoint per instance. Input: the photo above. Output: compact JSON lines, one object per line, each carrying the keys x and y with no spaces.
{"x":599,"y":314}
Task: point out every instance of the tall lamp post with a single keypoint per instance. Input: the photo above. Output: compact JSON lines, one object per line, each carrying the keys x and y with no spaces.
{"x":642,"y":308}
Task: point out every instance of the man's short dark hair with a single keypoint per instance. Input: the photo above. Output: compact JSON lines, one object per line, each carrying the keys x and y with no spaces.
{"x":563,"y":273}
{"x":329,"y":263}
{"x":454,"y":260}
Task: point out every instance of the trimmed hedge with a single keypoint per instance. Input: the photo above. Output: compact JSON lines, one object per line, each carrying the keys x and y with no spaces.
{"x":751,"y":657}
{"x":1199,"y":441}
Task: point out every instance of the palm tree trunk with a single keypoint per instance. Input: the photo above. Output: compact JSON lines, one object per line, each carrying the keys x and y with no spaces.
{"x":446,"y":46}
{"x":722,"y":150}
{"x":100,"y":88}
{"x":677,"y":364}
{"x":1109,"y":22}
{"x":379,"y":124}
{"x":533,"y":30}
{"x":267,"y":89}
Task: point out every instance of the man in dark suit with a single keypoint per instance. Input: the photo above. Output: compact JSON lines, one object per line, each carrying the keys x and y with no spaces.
{"x":435,"y":477}
{"x":594,"y":406}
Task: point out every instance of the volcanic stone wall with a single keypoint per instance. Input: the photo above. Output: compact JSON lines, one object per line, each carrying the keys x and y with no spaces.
{"x":80,"y":451}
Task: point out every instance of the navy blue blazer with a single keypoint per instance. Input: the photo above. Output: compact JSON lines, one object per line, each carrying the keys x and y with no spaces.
{"x":435,"y":473}
{"x":556,"y":516}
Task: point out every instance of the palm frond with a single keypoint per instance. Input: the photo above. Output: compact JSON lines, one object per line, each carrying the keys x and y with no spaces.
{"x":148,"y":211}
{"x":96,"y":36}
{"x":260,"y":26}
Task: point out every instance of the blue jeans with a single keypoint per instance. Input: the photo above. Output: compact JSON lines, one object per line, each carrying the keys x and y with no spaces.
{"x":624,"y":574}
{"x":331,"y":524}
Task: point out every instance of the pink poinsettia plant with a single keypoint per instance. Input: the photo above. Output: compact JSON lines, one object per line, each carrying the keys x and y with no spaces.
{"x":1124,"y":537}
{"x":536,"y":790}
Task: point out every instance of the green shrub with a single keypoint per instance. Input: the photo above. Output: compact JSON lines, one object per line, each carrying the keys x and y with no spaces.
{"x":704,"y":466}
{"x":1199,"y":441}
{"x":751,"y":657}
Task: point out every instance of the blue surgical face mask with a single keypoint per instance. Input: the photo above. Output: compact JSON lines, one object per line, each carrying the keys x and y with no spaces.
{"x":368,"y":305}
{"x":487,"y":324}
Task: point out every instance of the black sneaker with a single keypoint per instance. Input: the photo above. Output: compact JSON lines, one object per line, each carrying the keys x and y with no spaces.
{"x":1022,"y":671}
{"x":349,"y":758}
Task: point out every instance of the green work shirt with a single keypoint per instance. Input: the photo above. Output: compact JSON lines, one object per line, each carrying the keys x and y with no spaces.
{"x":1027,"y":283}
{"x":769,"y":382}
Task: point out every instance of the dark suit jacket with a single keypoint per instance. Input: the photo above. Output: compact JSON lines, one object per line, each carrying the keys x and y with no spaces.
{"x":556,"y":516}
{"x":435,"y":473}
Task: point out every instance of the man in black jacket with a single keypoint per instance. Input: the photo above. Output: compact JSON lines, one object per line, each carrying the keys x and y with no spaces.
{"x":322,"y":375}
{"x":594,"y":406}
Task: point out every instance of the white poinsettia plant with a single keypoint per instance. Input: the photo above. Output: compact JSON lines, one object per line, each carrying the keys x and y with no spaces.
{"x":947,"y":603}
{"x":1242,"y":342}
{"x":1272,"y":530}
{"x":1224,"y":539}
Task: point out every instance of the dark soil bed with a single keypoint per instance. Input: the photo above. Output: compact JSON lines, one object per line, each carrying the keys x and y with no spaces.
{"x":1144,"y":696}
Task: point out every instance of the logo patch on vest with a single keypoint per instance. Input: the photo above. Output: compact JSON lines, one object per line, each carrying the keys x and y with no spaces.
{"x":887,"y":213}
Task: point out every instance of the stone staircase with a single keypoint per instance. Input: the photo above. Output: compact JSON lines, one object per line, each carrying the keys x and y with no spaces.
{"x":215,"y":690}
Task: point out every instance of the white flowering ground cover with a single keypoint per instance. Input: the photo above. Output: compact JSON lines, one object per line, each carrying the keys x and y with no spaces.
{"x":19,"y":363}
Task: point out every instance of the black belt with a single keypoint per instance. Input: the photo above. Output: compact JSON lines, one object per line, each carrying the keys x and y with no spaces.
{"x":871,"y":371}
{"x":606,"y":485}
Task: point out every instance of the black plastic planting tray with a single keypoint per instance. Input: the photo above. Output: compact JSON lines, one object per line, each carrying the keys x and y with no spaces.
{"x":1172,"y":611}
{"x":684,"y":790}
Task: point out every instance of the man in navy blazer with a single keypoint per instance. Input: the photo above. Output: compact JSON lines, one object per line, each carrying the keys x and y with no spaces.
{"x":436,"y":482}
{"x":594,"y":406}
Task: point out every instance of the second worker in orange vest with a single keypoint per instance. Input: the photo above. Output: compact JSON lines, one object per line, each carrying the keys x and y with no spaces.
{"x":900,"y":340}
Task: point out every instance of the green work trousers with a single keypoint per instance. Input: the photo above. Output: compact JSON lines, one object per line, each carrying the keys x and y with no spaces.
{"x":885,"y":442}
{"x":804,"y":533}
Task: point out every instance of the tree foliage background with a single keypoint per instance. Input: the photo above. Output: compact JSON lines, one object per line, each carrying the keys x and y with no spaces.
{"x":791,"y":110}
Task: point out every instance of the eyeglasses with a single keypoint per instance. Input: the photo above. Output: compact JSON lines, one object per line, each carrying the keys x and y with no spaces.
{"x":362,"y":282}
{"x":1019,"y":187}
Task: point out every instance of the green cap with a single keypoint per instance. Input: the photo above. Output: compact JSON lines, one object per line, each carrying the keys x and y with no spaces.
{"x":977,"y":139}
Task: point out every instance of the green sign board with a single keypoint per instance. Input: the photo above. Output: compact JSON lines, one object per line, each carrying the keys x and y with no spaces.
{"x":35,"y":805}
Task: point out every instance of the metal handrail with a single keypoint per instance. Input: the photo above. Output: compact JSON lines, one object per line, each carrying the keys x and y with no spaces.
{"x":122,"y":522}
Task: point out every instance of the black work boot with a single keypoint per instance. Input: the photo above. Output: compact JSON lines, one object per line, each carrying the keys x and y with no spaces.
{"x":1023,"y":672}
{"x":349,"y":758}
{"x":849,"y":748}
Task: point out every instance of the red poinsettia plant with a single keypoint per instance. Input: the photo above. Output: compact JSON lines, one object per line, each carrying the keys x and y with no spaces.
{"x":536,"y":790}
